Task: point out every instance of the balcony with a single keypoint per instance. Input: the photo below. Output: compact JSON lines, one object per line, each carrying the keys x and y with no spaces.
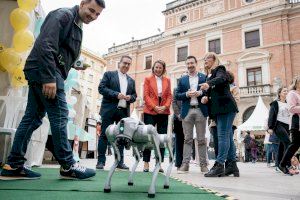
{"x":258,"y":90}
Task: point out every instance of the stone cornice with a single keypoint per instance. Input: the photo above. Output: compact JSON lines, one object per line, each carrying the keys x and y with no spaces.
{"x":177,"y":6}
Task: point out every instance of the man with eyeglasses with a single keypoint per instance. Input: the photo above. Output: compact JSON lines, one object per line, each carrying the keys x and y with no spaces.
{"x":118,"y":90}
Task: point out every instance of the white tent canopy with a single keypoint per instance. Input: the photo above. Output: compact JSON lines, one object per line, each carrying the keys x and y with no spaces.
{"x":258,"y":119}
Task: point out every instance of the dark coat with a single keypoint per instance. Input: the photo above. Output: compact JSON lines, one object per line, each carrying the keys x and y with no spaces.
{"x":56,"y":48}
{"x":109,"y":87}
{"x":182,"y":88}
{"x":220,"y":98}
{"x":272,"y":120}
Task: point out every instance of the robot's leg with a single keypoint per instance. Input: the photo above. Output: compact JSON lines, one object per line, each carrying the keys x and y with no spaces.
{"x":171,"y":161}
{"x":151,"y":191}
{"x":137,"y":160}
{"x":107,"y":187}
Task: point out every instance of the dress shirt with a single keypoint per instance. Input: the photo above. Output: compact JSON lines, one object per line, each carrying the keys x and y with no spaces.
{"x":123,"y":87}
{"x":193,"y":86}
{"x":159,"y":85}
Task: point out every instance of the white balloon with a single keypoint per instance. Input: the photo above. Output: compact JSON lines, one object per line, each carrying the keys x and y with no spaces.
{"x":72,"y":113}
{"x":72,"y":100}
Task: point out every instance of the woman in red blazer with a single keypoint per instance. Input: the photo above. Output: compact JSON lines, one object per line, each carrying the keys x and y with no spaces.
{"x":158,"y":98}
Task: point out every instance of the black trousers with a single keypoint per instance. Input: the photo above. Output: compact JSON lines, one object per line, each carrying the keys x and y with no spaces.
{"x":179,"y":140}
{"x":292,"y":148}
{"x":161,"y":123}
{"x":282,"y":132}
{"x":248,"y":156}
{"x":116,"y":116}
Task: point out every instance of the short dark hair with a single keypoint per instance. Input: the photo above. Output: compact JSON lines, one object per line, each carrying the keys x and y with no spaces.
{"x":125,"y":57}
{"x":101,"y":3}
{"x":191,"y":57}
{"x":162,"y":63}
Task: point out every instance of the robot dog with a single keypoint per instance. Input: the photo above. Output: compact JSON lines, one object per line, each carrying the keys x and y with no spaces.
{"x":131,"y":132}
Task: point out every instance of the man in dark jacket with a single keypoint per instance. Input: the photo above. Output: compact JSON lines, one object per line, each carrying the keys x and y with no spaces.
{"x":55,"y":51}
{"x":118,"y":90}
{"x":193,"y":113}
{"x":178,"y":130}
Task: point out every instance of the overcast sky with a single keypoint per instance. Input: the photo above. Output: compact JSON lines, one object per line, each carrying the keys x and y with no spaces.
{"x":119,"y":22}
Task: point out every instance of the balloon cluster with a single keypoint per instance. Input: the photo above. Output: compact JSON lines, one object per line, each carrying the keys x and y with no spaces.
{"x":23,"y":39}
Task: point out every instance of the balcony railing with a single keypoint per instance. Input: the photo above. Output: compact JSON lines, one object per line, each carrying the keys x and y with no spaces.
{"x":135,"y":43}
{"x":255,"y":90}
{"x":293,"y":1}
{"x":174,"y":4}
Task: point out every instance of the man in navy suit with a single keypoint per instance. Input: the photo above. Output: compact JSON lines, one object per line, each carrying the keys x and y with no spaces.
{"x":193,"y":113}
{"x":118,"y":90}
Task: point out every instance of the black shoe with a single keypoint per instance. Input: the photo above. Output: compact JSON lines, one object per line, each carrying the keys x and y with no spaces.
{"x":216,"y":171}
{"x":122,"y":167}
{"x":9,"y":173}
{"x":100,"y":166}
{"x":77,"y":172}
{"x":285,"y":170}
{"x":231,"y":168}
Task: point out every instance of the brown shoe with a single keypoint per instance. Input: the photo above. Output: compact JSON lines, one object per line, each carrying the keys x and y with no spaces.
{"x":184,"y":168}
{"x":204,"y":169}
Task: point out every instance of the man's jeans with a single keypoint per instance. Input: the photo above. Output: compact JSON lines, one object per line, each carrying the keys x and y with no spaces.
{"x":194,"y":118}
{"x":36,"y":108}
{"x":226,"y":147}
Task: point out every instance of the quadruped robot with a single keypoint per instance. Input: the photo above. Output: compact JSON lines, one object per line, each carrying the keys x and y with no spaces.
{"x":134,"y":133}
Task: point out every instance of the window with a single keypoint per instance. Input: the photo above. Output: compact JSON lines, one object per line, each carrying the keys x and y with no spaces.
{"x":254,"y":76}
{"x":89,"y":92}
{"x":252,"y":39}
{"x":183,"y":19}
{"x":148,"y":62}
{"x":182,"y":53}
{"x":214,"y":46}
{"x":91,"y":78}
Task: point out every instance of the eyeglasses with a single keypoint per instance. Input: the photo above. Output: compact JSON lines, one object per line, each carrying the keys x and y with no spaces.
{"x":126,"y":63}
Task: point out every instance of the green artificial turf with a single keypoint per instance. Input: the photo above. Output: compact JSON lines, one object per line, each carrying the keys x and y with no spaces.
{"x":51,"y":187}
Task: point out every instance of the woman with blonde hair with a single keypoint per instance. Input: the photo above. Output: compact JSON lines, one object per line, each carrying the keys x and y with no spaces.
{"x":158,"y":99}
{"x":293,"y":101}
{"x":222,"y":109}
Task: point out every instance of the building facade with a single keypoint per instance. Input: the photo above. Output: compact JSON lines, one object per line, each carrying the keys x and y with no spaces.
{"x":258,"y":40}
{"x":89,"y":80}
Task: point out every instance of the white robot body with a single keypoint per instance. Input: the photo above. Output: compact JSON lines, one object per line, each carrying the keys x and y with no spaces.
{"x":133,"y":133}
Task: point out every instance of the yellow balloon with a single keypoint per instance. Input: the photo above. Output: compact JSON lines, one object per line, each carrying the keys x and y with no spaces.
{"x":10,"y":60}
{"x":28,"y":5}
{"x":18,"y":78}
{"x":19,"y":19}
{"x":2,"y":47}
{"x":23,"y":40}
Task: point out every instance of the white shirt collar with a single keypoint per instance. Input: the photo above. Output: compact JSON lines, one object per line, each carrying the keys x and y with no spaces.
{"x":158,"y":77}
{"x":191,"y":76}
{"x":121,"y":74}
